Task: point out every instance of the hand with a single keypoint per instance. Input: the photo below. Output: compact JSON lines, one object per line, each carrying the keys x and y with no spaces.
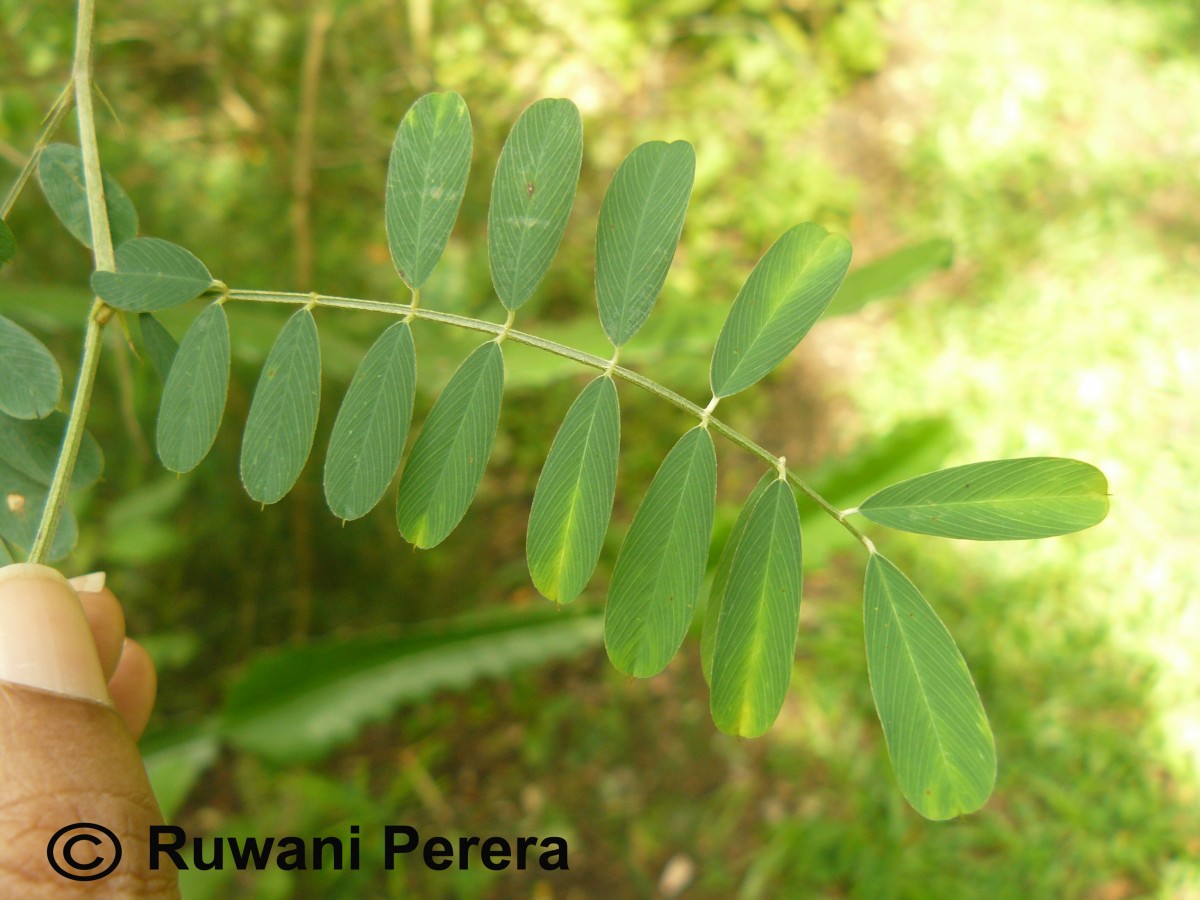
{"x":75,"y":694}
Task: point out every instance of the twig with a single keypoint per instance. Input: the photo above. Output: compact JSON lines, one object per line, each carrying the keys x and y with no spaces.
{"x":102,"y":251}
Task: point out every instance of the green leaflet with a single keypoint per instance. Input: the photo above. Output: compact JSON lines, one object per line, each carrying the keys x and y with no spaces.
{"x":283,"y":414}
{"x":999,"y":500}
{"x":451,"y":452}
{"x":8,"y":246}
{"x":574,"y":496}
{"x":372,"y":425}
{"x":160,"y":346}
{"x":780,"y":301}
{"x":661,"y":564}
{"x":193,"y":399}
{"x":60,"y":173}
{"x":937,"y":732}
{"x":31,"y":447}
{"x":151,"y":274}
{"x":6,"y":557}
{"x":640,"y":222}
{"x":716,"y":591}
{"x":896,"y":272}
{"x":30,"y":380}
{"x":21,"y":503}
{"x":532,"y":193}
{"x":756,"y":633}
{"x":427,"y":176}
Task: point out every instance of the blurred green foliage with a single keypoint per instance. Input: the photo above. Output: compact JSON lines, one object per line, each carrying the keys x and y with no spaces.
{"x":1007,"y":157}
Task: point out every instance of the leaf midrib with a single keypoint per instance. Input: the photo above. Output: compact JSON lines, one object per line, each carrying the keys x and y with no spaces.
{"x":440,"y":470}
{"x":568,"y":525}
{"x":673,"y":532}
{"x":988,"y":502}
{"x":775,"y":312}
{"x":626,"y":302}
{"x":524,"y":234}
{"x":759,"y":609}
{"x":949,"y":766}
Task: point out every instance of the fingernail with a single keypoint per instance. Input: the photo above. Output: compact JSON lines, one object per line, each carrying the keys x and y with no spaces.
{"x":92,"y":583}
{"x":45,"y":641}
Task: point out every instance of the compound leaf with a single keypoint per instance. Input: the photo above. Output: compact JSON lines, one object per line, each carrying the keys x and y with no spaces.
{"x":661,"y":564}
{"x":8,"y":245}
{"x":160,"y":346}
{"x":574,"y":496}
{"x":283,"y":414}
{"x":999,"y":500}
{"x":60,"y":173}
{"x":451,"y":452}
{"x":193,"y":398}
{"x":427,"y":177}
{"x":31,"y":447}
{"x":760,"y":612}
{"x":780,"y":301}
{"x":936,"y":730}
{"x":532,"y":193}
{"x":30,"y":380}
{"x":640,"y":222}
{"x":22,"y":501}
{"x":371,"y":427}
{"x":151,"y":274}
{"x":716,"y":591}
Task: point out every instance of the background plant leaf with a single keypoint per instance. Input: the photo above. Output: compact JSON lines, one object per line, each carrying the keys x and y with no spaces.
{"x":427,"y":176}
{"x":641,"y":219}
{"x":780,"y":301}
{"x":662,"y":562}
{"x":760,"y":612}
{"x":161,"y":347}
{"x":937,"y":732}
{"x":451,"y":452}
{"x":60,"y":173}
{"x":372,"y":425}
{"x":574,"y":497}
{"x":193,"y":398}
{"x":6,"y":557}
{"x":716,"y":591}
{"x":892,"y":274}
{"x":532,"y":193}
{"x":299,"y":704}
{"x":8,"y":244}
{"x":21,"y":503}
{"x":152,"y":274}
{"x":31,"y":446}
{"x":998,"y":500}
{"x":176,"y":760}
{"x":283,"y":414}
{"x":30,"y":380}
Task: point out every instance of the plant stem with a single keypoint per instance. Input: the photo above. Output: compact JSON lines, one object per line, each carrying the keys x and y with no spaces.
{"x":54,"y":117}
{"x":102,"y":248}
{"x":586,"y":359}
{"x":102,"y":251}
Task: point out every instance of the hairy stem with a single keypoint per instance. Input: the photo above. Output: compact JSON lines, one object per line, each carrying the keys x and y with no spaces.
{"x":102,"y":251}
{"x":586,"y":359}
{"x":54,"y":117}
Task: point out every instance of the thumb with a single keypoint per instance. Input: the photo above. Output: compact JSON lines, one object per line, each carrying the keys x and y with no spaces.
{"x":67,"y":756}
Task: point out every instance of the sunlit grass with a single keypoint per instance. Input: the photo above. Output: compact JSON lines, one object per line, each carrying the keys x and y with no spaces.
{"x":1071,"y":328}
